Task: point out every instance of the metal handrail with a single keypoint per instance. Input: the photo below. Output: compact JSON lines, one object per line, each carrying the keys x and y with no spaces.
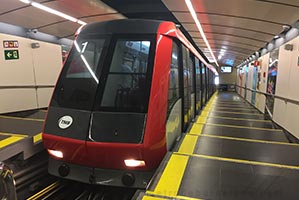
{"x":272,"y":95}
{"x":27,"y":86}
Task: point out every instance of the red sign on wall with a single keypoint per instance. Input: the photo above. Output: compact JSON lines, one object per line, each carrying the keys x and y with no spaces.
{"x":10,"y":44}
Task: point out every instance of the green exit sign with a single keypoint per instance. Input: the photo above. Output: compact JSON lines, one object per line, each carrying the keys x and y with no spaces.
{"x":11,"y":54}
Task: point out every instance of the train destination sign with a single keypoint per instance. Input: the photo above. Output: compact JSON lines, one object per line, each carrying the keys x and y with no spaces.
{"x":10,"y":44}
{"x":11,"y":54}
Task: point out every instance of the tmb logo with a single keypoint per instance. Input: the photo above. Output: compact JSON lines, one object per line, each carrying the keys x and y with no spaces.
{"x":65,"y":122}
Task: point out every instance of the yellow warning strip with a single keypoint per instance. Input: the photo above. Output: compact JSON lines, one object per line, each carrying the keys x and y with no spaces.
{"x":248,"y":140}
{"x":170,"y":180}
{"x":37,"y":138}
{"x":7,"y":141}
{"x":244,"y":127}
{"x":188,"y":144}
{"x":237,"y":113}
{"x":21,"y":118}
{"x":242,"y":119}
{"x":156,"y":197}
{"x":44,"y":191}
{"x":13,"y":134}
{"x":249,"y":162}
{"x":196,"y":129}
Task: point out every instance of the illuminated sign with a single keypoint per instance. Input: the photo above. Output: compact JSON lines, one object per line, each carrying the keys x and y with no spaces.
{"x":10,"y":44}
{"x":11,"y":54}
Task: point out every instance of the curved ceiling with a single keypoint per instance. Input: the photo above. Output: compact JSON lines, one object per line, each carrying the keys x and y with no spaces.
{"x":234,"y":28}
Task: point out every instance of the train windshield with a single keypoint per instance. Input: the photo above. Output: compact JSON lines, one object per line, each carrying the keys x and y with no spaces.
{"x":128,"y":80}
{"x":78,"y":82}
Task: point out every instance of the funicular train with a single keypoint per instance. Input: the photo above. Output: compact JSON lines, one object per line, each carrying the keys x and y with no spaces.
{"x":127,"y":92}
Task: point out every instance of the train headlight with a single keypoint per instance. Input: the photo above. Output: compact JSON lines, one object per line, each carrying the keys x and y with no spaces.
{"x":55,"y":153}
{"x":134,"y":163}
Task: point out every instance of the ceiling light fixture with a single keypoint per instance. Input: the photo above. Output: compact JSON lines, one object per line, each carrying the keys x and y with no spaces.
{"x":194,"y":16}
{"x":53,"y":11}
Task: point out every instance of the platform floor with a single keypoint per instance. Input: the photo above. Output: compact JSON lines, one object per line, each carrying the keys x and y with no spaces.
{"x":21,"y":133}
{"x":231,"y":152}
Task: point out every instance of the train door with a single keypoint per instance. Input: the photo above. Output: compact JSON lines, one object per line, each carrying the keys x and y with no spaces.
{"x":174,"y":111}
{"x":186,"y":88}
{"x":192,"y":86}
{"x":204,"y":85}
{"x":197,"y":82}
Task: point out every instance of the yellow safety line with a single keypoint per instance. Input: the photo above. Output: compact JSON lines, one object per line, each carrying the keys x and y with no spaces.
{"x":237,"y":113}
{"x":242,"y":119}
{"x":188,"y":144}
{"x":249,"y":162}
{"x":201,"y":120}
{"x":158,"y":197}
{"x":244,"y":127}
{"x":21,"y":118}
{"x":170,"y":180}
{"x":247,"y":140}
{"x":196,"y":129}
{"x":37,"y":138}
{"x":13,"y":134}
{"x":44,"y":191}
{"x":7,"y":141}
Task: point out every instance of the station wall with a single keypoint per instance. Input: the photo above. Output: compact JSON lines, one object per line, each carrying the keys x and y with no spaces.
{"x":285,"y":113}
{"x":27,"y":82}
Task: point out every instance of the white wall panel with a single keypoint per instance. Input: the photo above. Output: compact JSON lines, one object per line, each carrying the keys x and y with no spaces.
{"x":16,"y":72}
{"x":249,"y":82}
{"x":279,"y":114}
{"x":291,"y":119}
{"x":293,"y":86}
{"x":43,"y":96}
{"x":47,"y":62}
{"x":13,"y":100}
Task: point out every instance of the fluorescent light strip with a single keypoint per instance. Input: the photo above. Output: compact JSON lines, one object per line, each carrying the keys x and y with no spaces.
{"x":53,"y":11}
{"x":194,"y":16}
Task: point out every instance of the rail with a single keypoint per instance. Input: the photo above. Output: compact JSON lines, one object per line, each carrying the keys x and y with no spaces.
{"x":287,"y":100}
{"x":27,"y":87}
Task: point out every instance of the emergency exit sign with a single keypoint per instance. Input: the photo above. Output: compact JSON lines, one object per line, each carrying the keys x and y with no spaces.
{"x":11,"y":54}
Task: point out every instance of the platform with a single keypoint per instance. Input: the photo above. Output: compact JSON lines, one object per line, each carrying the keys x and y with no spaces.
{"x":231,"y":152}
{"x":21,"y":133}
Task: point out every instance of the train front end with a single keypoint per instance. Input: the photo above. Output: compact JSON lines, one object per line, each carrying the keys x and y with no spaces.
{"x":99,"y":128}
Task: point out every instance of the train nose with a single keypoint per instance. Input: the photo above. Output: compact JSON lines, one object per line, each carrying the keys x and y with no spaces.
{"x":128,"y":179}
{"x":64,"y":170}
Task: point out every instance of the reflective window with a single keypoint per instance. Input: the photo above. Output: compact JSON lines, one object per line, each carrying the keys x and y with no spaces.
{"x":78,"y":82}
{"x":173,"y":91}
{"x":125,"y":87}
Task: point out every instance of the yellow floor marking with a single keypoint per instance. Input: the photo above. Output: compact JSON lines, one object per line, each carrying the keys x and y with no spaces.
{"x":188,"y":144}
{"x":170,"y":180}
{"x":244,"y":127}
{"x":37,"y":138}
{"x":196,"y":129}
{"x":158,"y":197}
{"x":238,"y":113}
{"x":10,"y":140}
{"x":21,"y":118}
{"x":249,"y":162}
{"x":248,"y":140}
{"x":242,"y":119}
{"x":202,"y":120}
{"x":13,"y":134}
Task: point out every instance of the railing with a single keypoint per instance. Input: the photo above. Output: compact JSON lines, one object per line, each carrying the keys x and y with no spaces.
{"x":287,"y":100}
{"x":27,"y":87}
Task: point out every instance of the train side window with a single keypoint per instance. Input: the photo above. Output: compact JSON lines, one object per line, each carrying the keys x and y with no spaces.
{"x":173,"y":91}
{"x":125,"y":87}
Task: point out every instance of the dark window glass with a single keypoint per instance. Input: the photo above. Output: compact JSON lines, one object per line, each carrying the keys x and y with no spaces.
{"x":187,"y":85}
{"x":198,"y":84}
{"x":125,"y":88}
{"x":173,"y":91}
{"x":78,"y":82}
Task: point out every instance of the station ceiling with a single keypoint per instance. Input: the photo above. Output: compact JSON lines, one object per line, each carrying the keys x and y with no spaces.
{"x":235,"y":29}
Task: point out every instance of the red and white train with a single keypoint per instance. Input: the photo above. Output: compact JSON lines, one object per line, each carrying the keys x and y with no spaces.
{"x":127,"y":92}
